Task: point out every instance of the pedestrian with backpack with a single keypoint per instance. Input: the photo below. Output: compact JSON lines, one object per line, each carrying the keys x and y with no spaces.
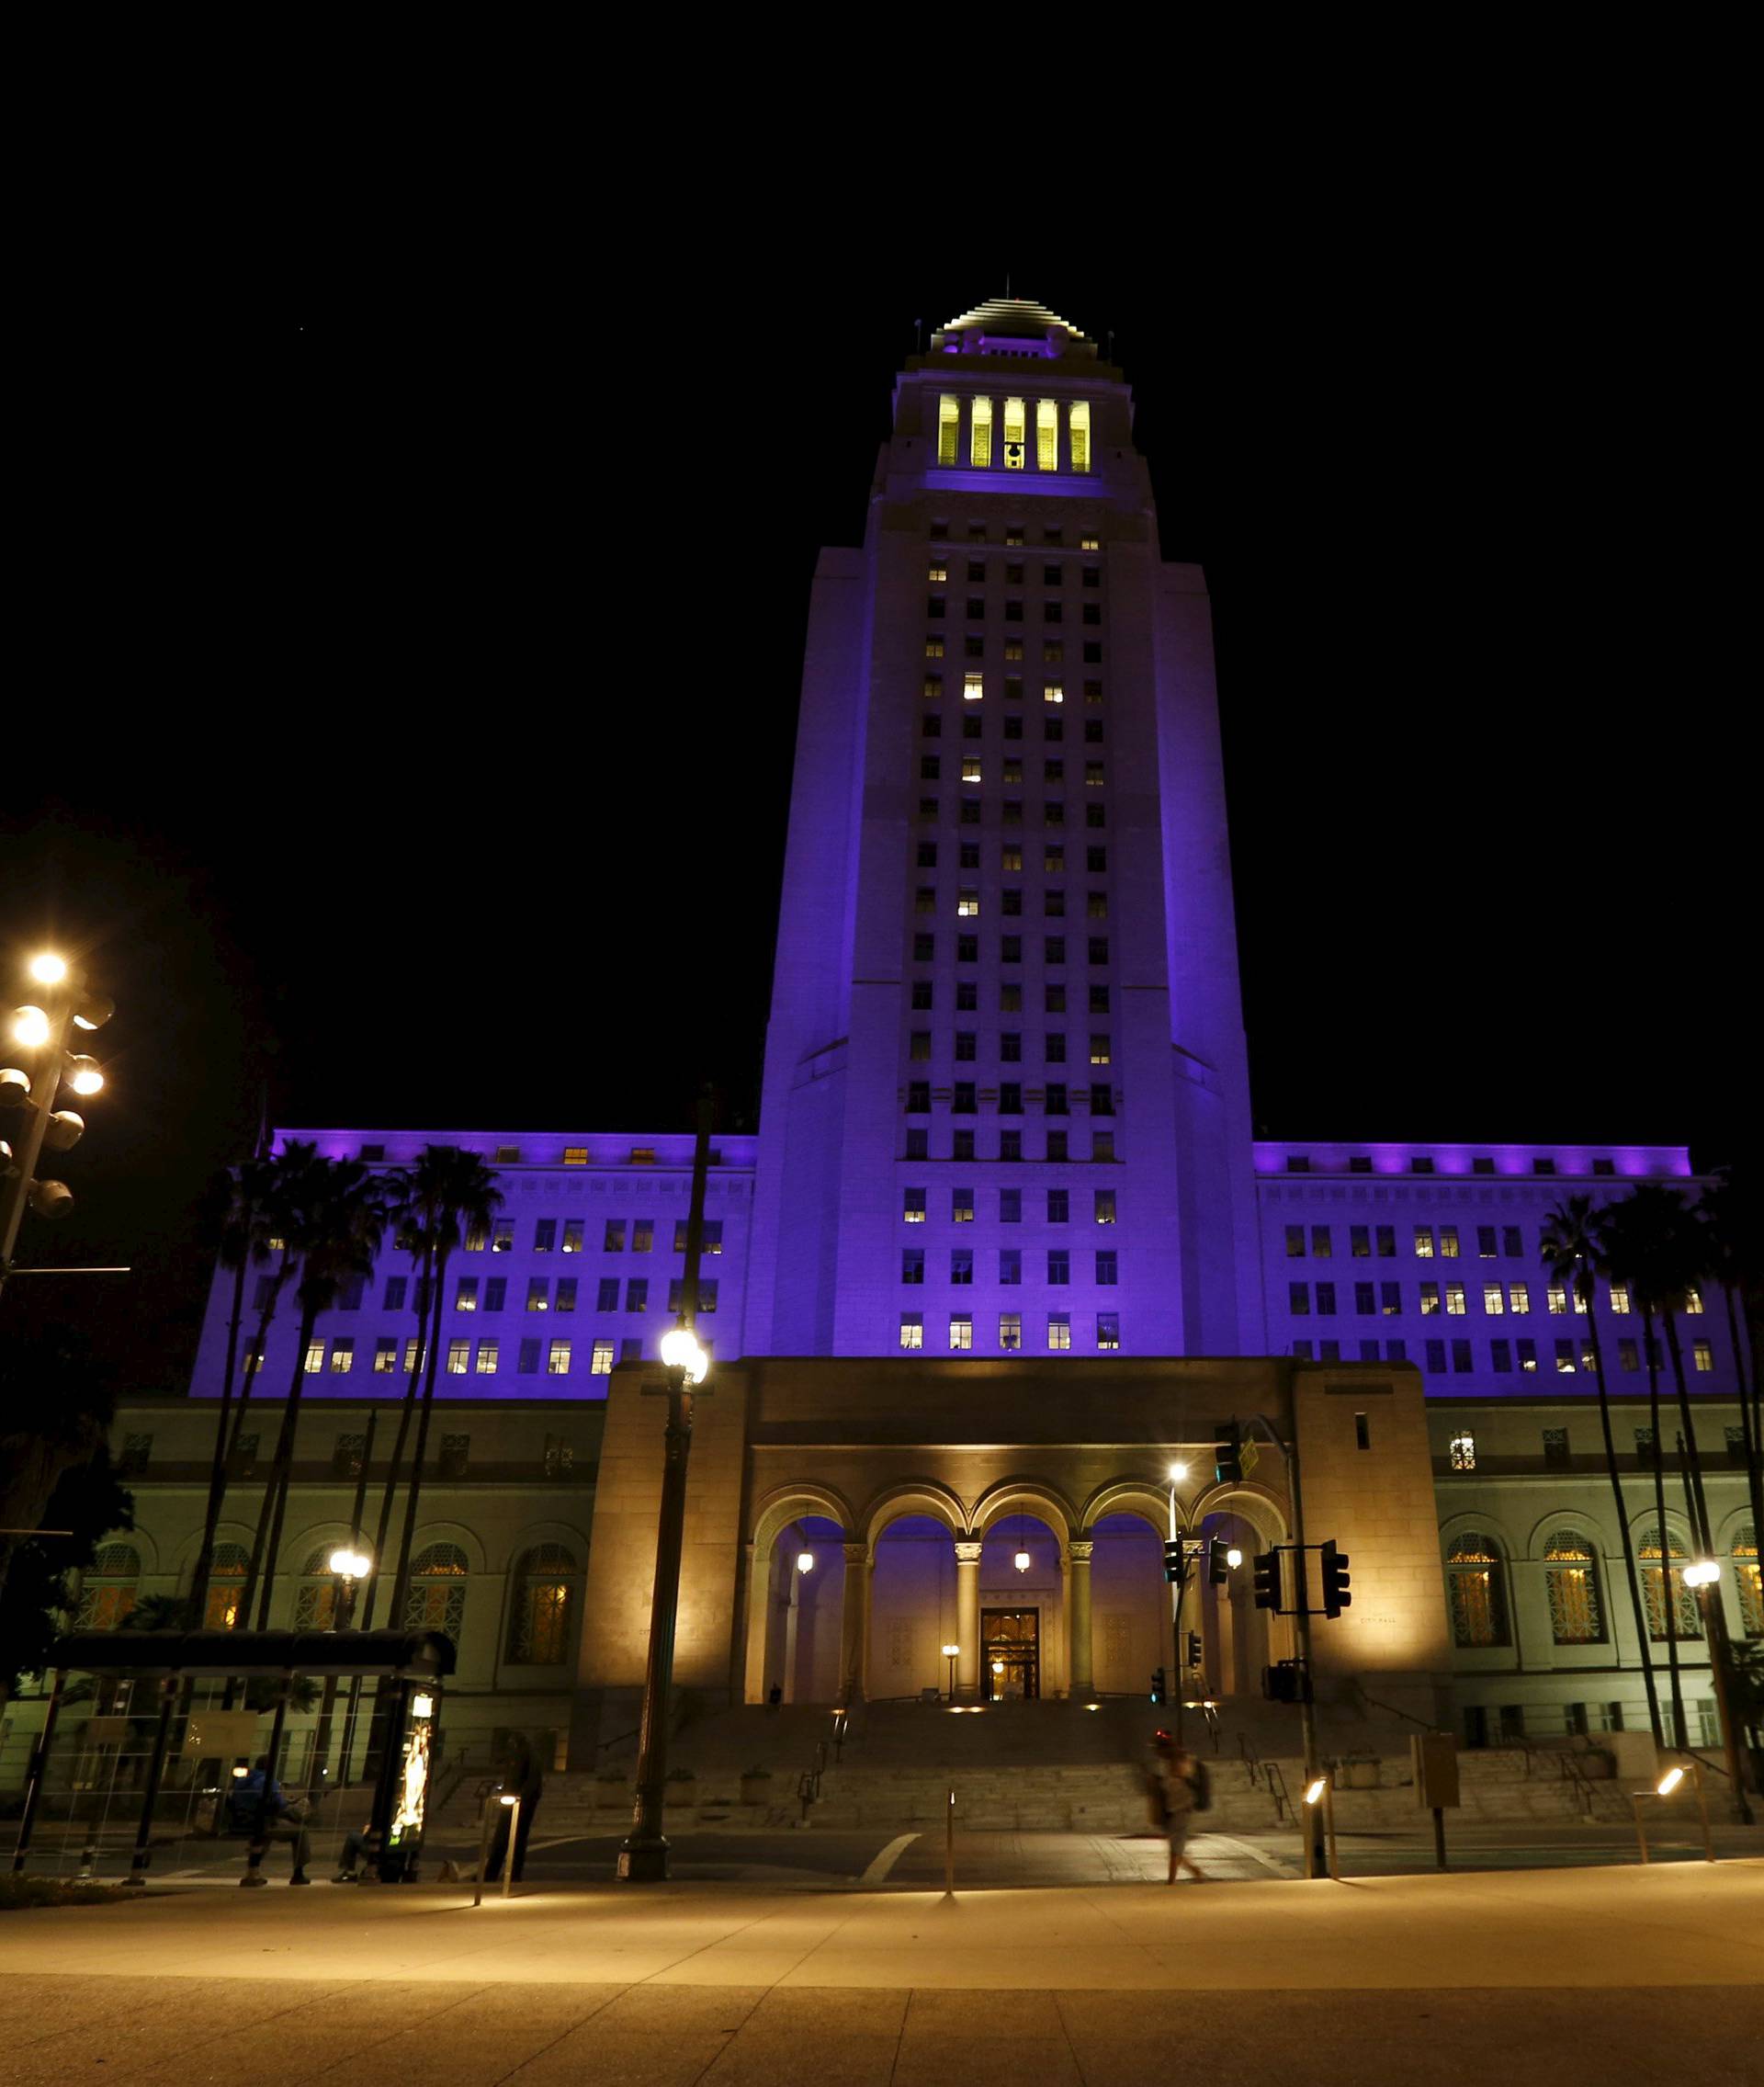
{"x":1179,"y":1782}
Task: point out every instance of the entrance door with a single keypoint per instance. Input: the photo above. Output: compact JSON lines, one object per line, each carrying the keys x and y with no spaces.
{"x":1010,"y":1654}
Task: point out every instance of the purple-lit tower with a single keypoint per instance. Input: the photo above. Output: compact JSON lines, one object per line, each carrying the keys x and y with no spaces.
{"x":1006,"y":1097}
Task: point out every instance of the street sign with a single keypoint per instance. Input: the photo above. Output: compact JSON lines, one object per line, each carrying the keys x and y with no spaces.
{"x":1247,"y":1456}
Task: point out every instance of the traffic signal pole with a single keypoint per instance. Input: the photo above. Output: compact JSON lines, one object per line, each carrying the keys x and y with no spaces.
{"x":1176,"y":1587}
{"x":1315,"y":1863}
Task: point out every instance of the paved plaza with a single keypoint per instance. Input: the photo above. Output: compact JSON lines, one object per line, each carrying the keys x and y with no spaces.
{"x":1548,"y":1975}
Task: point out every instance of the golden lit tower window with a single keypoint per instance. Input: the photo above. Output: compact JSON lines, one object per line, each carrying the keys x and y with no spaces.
{"x":1079,"y":423}
{"x":1047,"y":436}
{"x":1013,"y":436}
{"x":949,"y":429}
{"x":979,"y":440}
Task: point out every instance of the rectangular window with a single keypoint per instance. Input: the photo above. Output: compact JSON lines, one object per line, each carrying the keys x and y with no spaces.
{"x":1527,"y":1353}
{"x":1009,"y":1205}
{"x":1436,"y":1356}
{"x":395,"y":1293}
{"x":1485,"y":1243}
{"x":1014,"y":440}
{"x":979,"y":434}
{"x":343,"y":1354}
{"x":1100,"y":1054}
{"x":315,"y":1357}
{"x":1326,"y":1299}
{"x":605,"y":1296}
{"x":1620,"y":1299}
{"x":1298,"y":1299}
{"x":1366,"y":1300}
{"x":1424,"y":1243}
{"x":613,"y":1241}
{"x":1101,"y":1098}
{"x":637,"y":1295}
{"x":537,"y":1297}
{"x":961,"y":1265}
{"x":1501,"y":1354}
{"x":465,"y":1297}
{"x":1461,"y":1357}
{"x":1519,"y":1296}
{"x":1512,"y":1244}
{"x":1059,"y":1330}
{"x":913,"y":1205}
{"x":600,"y":1358}
{"x":1009,"y":1098}
{"x":501,"y":1236}
{"x":961,"y":1330}
{"x":961,"y":1205}
{"x":1360,"y":1242}
{"x":1493,"y":1300}
{"x":1009,"y":1330}
{"x":529,"y":1359}
{"x":1078,"y":428}
{"x":1693,"y":1300}
{"x":1321,"y":1246}
{"x":1629,"y":1355}
{"x":642,"y":1235}
{"x":385,"y":1354}
{"x":1059,"y":1266}
{"x":1106,"y":1269}
{"x":1386,"y":1242}
{"x":412,"y":1353}
{"x":1702,"y":1355}
{"x":572,"y":1228}
{"x":913,"y":1264}
{"x":1047,"y":436}
{"x":1556,"y":1295}
{"x":1454,"y":1301}
{"x":459,"y":1357}
{"x":545,"y":1235}
{"x":1058,"y":1205}
{"x":495,"y":1293}
{"x":557,"y":1359}
{"x":1430,"y":1299}
{"x":1555,"y":1445}
{"x":1564,"y":1357}
{"x":487,"y":1352}
{"x":912,"y":1330}
{"x":949,"y":429}
{"x":1449,"y":1243}
{"x":1104,"y":1205}
{"x":1108,"y":1329}
{"x":1390,"y":1300}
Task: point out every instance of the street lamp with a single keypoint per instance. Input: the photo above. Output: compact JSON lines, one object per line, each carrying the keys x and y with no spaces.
{"x":951,"y":1653}
{"x":350,"y":1567}
{"x":41,"y":1028}
{"x":805,"y":1561}
{"x":1702,"y":1572}
{"x":1234,"y":1558}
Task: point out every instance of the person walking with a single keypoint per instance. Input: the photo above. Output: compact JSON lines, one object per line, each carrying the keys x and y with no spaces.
{"x":520,"y":1777}
{"x":1178,"y":1778}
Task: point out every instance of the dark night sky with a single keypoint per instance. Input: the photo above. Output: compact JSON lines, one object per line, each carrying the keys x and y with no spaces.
{"x":440,"y":654}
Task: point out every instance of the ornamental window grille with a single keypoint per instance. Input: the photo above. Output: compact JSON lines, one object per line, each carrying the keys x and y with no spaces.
{"x":108,"y":1588}
{"x":1463,"y":1451}
{"x":1476,"y":1579}
{"x":226,"y":1586}
{"x":1748,"y":1580}
{"x":315,"y":1592}
{"x":1688,"y":1621}
{"x":1571,"y":1577}
{"x":541,"y":1625}
{"x":436,"y":1598}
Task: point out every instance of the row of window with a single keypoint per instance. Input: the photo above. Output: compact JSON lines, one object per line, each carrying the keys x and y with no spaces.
{"x":1053,"y":857}
{"x":973,"y":770}
{"x":1053,"y":571}
{"x":969,"y":906}
{"x":967,"y":949}
{"x":1058,"y":1331}
{"x":966,"y":1043}
{"x":961,"y":1265}
{"x":1014,"y":534}
{"x":1453,"y":1299}
{"x":1475,"y":1575}
{"x":923,"y":996}
{"x":1053,"y":653}
{"x":968,"y":812}
{"x":464,"y":1357}
{"x":1422,"y":1163}
{"x":1493,"y":1242}
{"x":1057,"y":1146}
{"x":1010,"y":420}
{"x":961,"y":1205}
{"x":1051,"y":611}
{"x":964,"y":1096}
{"x":1053,"y":734}
{"x":1462,"y":1449}
{"x":1504,"y":1357}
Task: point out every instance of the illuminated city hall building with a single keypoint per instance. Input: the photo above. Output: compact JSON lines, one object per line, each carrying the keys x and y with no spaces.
{"x":1004,"y":1246}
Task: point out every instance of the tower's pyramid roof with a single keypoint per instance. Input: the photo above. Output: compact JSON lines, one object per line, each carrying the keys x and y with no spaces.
{"x":1009,"y":317}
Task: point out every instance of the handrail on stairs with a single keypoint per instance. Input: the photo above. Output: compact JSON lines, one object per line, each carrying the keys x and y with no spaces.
{"x":1277,"y":1790}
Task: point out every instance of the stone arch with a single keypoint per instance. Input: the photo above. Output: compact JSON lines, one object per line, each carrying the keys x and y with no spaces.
{"x":1143,"y":1497}
{"x":1727,"y":1529}
{"x":430,"y":1533}
{"x":225,"y":1532}
{"x":1026,"y":1496}
{"x":780,"y":1507}
{"x":1581,"y":1519}
{"x":1479,"y":1521}
{"x":1678,"y":1528}
{"x":914,"y":1496}
{"x":1262,"y":1508}
{"x":784,"y":1503}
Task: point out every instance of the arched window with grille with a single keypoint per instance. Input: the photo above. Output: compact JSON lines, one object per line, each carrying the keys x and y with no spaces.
{"x":315,"y":1592}
{"x":1571,"y":1575}
{"x":1747,"y":1580}
{"x":1689,"y":1621}
{"x":109,"y":1587}
{"x":226,"y":1586}
{"x":542,"y":1619}
{"x":1477,"y":1582}
{"x":435,"y":1599}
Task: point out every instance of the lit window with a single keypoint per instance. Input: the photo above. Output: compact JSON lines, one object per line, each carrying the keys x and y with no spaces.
{"x":1702,"y":1355}
{"x":1077,"y":422}
{"x":575,"y":1155}
{"x":1013,"y":444}
{"x":1053,"y":692}
{"x":1047,"y":436}
{"x":1059,"y":1329}
{"x":487,"y":1358}
{"x":913,"y":1209}
{"x":912,"y":1330}
{"x":961,"y":1205}
{"x":1474,"y":1577}
{"x":572,"y":1228}
{"x":1558,"y":1300}
{"x":949,"y":429}
{"x":413,"y":1355}
{"x":1519,"y":1296}
{"x":1749,"y":1583}
{"x":1692,"y":1301}
{"x":971,"y":768}
{"x":1424,"y":1243}
{"x":1108,"y":1329}
{"x":501,"y":1236}
{"x":1688,"y":1619}
{"x":980,"y":438}
{"x":1620,"y":1299}
{"x":961,"y":1330}
{"x":557,"y":1360}
{"x":937,"y":570}
{"x":1493,"y":1301}
{"x":315,"y":1357}
{"x":967,"y":906}
{"x":343,"y":1354}
{"x":465,"y":1298}
{"x":1105,"y":1206}
{"x":1449,"y":1242}
{"x":973,"y":688}
{"x":1009,"y":1330}
{"x":933,"y":650}
{"x":1100,"y":1050}
{"x":600,"y":1362}
{"x":1454,"y":1301}
{"x":1629,"y":1355}
{"x":536,"y":1297}
{"x":385,"y":1354}
{"x":459,"y":1357}
{"x":1429,"y":1298}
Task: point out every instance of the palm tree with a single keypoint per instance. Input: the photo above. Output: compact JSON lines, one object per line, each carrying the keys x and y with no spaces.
{"x":450,"y":1192}
{"x":1574,"y":1252}
{"x":336,"y":1229}
{"x":1644,"y":1250}
{"x":1734,"y":1229}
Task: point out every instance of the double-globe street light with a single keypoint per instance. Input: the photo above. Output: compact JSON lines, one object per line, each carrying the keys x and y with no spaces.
{"x":43,"y":1028}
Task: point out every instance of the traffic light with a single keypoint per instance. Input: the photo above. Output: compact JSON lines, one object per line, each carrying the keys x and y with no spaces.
{"x":1336,"y":1596}
{"x":1286,"y":1681}
{"x":1174,"y":1561}
{"x":1159,"y":1686}
{"x":1218,"y":1569}
{"x":1229,"y":1467}
{"x":1267,"y":1567}
{"x":1193,"y":1647}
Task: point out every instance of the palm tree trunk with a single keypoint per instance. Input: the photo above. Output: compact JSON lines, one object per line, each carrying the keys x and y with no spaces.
{"x":1748,"y":1420}
{"x":218,"y":1470}
{"x":1700,"y":1516}
{"x":264,"y":1550}
{"x":401,"y":1580}
{"x":370,"y":1592}
{"x":1668,"y":1593}
{"x":1637,"y":1606}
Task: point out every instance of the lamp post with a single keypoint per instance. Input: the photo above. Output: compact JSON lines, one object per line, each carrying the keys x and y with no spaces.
{"x":1704,"y":1575}
{"x":951,"y":1652}
{"x":43,"y":1029}
{"x":643,"y":1855}
{"x":1178,"y":1472}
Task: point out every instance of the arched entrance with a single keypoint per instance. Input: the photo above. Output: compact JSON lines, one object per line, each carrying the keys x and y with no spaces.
{"x":1022,"y":1610}
{"x":1237,"y":1639}
{"x":1130,"y":1628}
{"x":806,"y":1606}
{"x":912,"y":1605}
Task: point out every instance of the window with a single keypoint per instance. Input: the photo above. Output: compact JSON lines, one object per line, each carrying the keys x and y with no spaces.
{"x":1555,"y":1446}
{"x":600,"y":1358}
{"x":541,"y":1620}
{"x":1436,"y":1356}
{"x":1298,"y":1299}
{"x":1360,"y":1242}
{"x":465,"y":1297}
{"x":961,"y":1330}
{"x":385,"y":1354}
{"x":1430,"y":1299}
{"x":1103,"y":1200}
{"x":226,"y":1585}
{"x":1059,"y":1330}
{"x":1421,"y":1164}
{"x":1100,"y":1052}
{"x":315,"y":1356}
{"x":1748,"y":1584}
{"x":1386,"y":1235}
{"x":979,"y":434}
{"x":1500,"y":1358}
{"x":933,"y":648}
{"x":913,"y":1264}
{"x":1474,"y":1578}
{"x":545,"y":1235}
{"x":1059,"y":1266}
{"x":637,"y":1295}
{"x":487,"y":1358}
{"x":912,"y":1330}
{"x":1527,"y":1352}
{"x":1511,"y":1245}
{"x":1054,"y":1098}
{"x":108,"y":1587}
{"x":1108,"y":1329}
{"x":1326,"y":1299}
{"x":1056,"y":1145}
{"x":1620,"y":1299}
{"x":1014,"y":441}
{"x":1519,"y":1296}
{"x":1687,"y":1617}
{"x":1629,"y":1355}
{"x":913,"y":1205}
{"x":412,"y":1353}
{"x":1078,"y":428}
{"x":1702,"y":1355}
{"x":537,"y":1294}
{"x":1047,"y":436}
{"x":961,"y":1265}
{"x":343,"y":1354}
{"x":1053,"y":692}
{"x":528,"y":1359}
{"x":613,"y":1241}
{"x":315,"y":1592}
{"x":1009,"y":1330}
{"x":557,"y":1359}
{"x":501,"y":1236}
{"x":961,"y":1205}
{"x":1390,"y":1300}
{"x":949,"y":429}
{"x":1366,"y":1300}
{"x":1058,"y":1205}
{"x":1542,"y":1166}
{"x":572,"y":1230}
{"x":1693,"y":1300}
{"x":1449,"y":1243}
{"x":1454,"y":1301}
{"x":1320,"y":1245}
{"x":1101,"y":1098}
{"x":642,"y":1235}
{"x":456,"y":1455}
{"x":436,"y":1598}
{"x":459,"y":1357}
{"x":1461,"y":1358}
{"x":1009,"y":1098}
{"x":1424,"y":1243}
{"x":1106,"y":1269}
{"x":1009,"y":1205}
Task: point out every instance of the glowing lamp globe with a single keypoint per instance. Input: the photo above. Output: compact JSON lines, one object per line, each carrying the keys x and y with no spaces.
{"x":48,"y":968}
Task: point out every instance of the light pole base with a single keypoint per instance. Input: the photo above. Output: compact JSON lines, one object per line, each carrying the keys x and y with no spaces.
{"x":645,"y":1861}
